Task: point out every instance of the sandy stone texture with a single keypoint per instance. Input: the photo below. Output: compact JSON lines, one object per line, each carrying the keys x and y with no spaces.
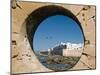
{"x":23,"y":59}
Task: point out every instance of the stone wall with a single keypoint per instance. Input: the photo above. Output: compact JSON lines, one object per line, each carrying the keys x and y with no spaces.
{"x":23,"y":59}
{"x":75,"y":53}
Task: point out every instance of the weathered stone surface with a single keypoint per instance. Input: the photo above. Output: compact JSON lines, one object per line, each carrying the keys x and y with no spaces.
{"x":24,"y":59}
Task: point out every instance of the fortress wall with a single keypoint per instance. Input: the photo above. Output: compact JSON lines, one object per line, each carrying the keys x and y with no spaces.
{"x":74,"y":53}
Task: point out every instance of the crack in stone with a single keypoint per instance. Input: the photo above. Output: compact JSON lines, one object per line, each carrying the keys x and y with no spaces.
{"x":93,"y":17}
{"x":15,"y":32}
{"x":85,"y":64}
{"x":14,"y":56}
{"x":87,"y":55}
{"x":85,"y":8}
{"x":15,"y":4}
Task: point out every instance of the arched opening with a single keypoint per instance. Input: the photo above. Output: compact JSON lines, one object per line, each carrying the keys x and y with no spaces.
{"x":38,"y":16}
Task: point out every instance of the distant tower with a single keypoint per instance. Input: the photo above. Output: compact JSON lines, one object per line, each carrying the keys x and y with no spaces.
{"x":49,"y":53}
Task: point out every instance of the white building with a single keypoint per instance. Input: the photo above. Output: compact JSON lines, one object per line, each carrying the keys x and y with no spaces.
{"x":73,"y":49}
{"x":74,"y":46}
{"x":68,"y":49}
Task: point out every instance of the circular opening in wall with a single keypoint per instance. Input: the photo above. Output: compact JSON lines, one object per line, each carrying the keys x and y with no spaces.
{"x":55,"y":36}
{"x":58,"y":42}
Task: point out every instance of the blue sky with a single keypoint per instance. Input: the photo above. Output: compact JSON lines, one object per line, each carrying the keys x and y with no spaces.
{"x":56,"y":29}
